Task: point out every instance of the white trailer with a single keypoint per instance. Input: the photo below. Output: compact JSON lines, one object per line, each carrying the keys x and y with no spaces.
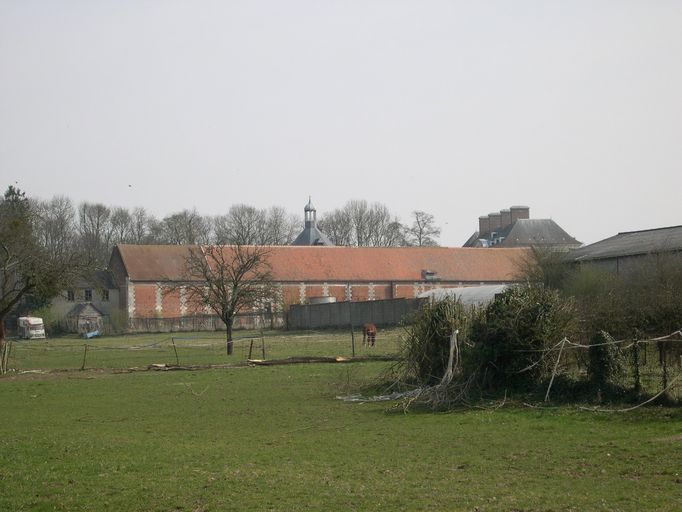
{"x":31,"y":328}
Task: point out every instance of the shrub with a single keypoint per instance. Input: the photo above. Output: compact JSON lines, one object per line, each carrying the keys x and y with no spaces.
{"x":426,"y":345}
{"x":606,"y":362}
{"x":512,"y":336}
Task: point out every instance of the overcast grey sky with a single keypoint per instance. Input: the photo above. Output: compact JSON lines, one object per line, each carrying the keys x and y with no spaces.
{"x":457,"y":108}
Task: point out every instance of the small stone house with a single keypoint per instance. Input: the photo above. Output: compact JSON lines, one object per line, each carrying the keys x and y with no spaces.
{"x":97,"y":290}
{"x":84,"y":318}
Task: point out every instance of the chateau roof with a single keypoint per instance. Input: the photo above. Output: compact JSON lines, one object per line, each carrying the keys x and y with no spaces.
{"x":340,"y":264}
{"x":528,"y":232}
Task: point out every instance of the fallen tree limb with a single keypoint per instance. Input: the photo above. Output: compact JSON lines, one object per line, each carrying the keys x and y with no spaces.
{"x":318,"y":359}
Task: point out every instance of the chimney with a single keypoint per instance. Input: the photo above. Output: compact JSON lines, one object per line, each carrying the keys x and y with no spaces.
{"x":506,"y":218}
{"x":495,"y":219}
{"x":483,"y":225}
{"x":519,"y":212}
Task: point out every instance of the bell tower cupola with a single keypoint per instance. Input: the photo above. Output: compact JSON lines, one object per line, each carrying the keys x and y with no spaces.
{"x":311,"y":235}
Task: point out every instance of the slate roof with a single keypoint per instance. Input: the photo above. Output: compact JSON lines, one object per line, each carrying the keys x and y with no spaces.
{"x":537,"y":232}
{"x":101,"y":279}
{"x":529,"y":232}
{"x":341,"y":264}
{"x":632,"y":243}
{"x":311,"y":236}
{"x":79,"y":308}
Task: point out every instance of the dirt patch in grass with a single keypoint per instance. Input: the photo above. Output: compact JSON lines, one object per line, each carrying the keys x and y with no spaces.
{"x":670,"y":439}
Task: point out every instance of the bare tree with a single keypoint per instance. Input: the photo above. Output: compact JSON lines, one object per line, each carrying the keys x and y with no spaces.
{"x":143,"y":227}
{"x":94,"y":226}
{"x":55,"y":225}
{"x":337,"y":226}
{"x":32,"y":263}
{"x":423,"y":231}
{"x":383,"y":228}
{"x":243,"y":225}
{"x":121,"y":226}
{"x":281,"y":227}
{"x":360,"y":224}
{"x":228,"y":279}
{"x":186,"y":227}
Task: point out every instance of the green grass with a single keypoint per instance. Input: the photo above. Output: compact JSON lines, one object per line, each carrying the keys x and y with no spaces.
{"x":275,"y":438}
{"x":192,"y":348}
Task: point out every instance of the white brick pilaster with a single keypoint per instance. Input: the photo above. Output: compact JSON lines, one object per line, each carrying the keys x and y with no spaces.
{"x":159,"y":299}
{"x":183,"y":301}
{"x":131,"y":298}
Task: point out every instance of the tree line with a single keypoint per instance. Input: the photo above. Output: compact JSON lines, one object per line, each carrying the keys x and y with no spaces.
{"x":95,"y":228}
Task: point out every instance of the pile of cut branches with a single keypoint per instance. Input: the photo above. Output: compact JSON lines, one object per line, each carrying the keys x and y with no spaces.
{"x":454,"y":353}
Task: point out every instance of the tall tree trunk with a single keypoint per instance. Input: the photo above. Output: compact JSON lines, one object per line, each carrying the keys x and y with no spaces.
{"x":229,"y":342}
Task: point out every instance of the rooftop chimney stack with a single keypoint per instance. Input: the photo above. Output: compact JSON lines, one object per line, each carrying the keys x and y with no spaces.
{"x":495,"y":220}
{"x":483,"y":225}
{"x":506,"y":218}
{"x":519,"y":212}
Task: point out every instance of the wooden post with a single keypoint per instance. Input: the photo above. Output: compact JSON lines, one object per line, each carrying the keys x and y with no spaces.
{"x":250,"y":348}
{"x":352,"y":335}
{"x":85,"y":353}
{"x":177,"y":359}
{"x":664,"y":364}
{"x":262,"y":336}
{"x":635,"y":358}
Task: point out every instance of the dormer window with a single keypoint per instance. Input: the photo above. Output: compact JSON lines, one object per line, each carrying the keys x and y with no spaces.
{"x":429,"y":275}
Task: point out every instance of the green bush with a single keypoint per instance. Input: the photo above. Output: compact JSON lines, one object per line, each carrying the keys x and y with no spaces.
{"x":606,"y":365}
{"x":512,"y":336}
{"x":426,"y":346}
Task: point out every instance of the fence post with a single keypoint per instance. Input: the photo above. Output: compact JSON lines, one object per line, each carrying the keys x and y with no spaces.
{"x":352,"y":335}
{"x":635,"y":357}
{"x":177,"y":359}
{"x":664,"y":363}
{"x":85,"y":353}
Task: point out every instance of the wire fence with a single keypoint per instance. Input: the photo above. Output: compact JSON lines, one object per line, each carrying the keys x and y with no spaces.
{"x":644,"y":366}
{"x":205,"y":348}
{"x":648,"y":366}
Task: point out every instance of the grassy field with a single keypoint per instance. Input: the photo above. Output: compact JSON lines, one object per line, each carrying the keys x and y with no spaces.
{"x":276,"y":438}
{"x":68,"y":352}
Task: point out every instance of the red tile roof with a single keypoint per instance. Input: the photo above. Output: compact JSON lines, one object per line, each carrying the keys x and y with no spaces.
{"x":342,"y":264}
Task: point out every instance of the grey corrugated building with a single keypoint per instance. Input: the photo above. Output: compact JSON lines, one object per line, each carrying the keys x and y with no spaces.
{"x":513,"y":227}
{"x":311,"y":235}
{"x":628,"y":251}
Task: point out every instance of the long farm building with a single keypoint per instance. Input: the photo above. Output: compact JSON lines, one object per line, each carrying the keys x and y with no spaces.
{"x":149,"y":277}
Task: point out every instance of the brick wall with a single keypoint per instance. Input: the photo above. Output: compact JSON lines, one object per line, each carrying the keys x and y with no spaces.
{"x":152,"y":300}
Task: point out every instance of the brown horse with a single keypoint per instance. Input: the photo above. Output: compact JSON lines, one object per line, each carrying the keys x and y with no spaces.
{"x":369,"y":334}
